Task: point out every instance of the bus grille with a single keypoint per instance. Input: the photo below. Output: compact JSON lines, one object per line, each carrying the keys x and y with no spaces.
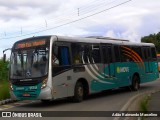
{"x":26,"y":83}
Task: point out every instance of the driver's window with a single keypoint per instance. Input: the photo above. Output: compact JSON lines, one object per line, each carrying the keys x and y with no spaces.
{"x":60,"y":59}
{"x":55,"y":60}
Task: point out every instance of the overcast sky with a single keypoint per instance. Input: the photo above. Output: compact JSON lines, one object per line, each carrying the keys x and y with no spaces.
{"x":25,"y":18}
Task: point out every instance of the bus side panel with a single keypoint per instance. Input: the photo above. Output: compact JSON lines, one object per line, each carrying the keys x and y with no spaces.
{"x":60,"y":84}
{"x":123,"y":72}
{"x":152,"y":74}
{"x":104,"y":79}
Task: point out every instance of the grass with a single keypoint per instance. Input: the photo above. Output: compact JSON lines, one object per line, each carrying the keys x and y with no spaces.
{"x":4,"y":90}
{"x":144,"y":105}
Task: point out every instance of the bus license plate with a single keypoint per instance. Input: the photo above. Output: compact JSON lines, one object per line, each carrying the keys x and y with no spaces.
{"x":26,"y":94}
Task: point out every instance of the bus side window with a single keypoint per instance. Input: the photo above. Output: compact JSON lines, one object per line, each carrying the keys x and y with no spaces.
{"x":137,"y":50}
{"x":124,"y":57}
{"x":76,"y":53}
{"x":64,"y":55}
{"x":95,"y":54}
{"x":146,"y":54}
{"x":153,"y":51}
{"x":149,"y":54}
{"x":110,"y":58}
{"x":117,"y":54}
{"x":86,"y":53}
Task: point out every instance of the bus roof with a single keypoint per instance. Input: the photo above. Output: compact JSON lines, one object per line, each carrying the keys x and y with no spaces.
{"x":91,"y":40}
{"x":102,"y":40}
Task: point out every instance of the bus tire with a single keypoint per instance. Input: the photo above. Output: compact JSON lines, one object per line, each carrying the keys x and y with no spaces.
{"x":135,"y":83}
{"x":78,"y":92}
{"x":45,"y":101}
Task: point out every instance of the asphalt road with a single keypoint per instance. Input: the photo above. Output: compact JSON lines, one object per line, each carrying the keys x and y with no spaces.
{"x":107,"y":101}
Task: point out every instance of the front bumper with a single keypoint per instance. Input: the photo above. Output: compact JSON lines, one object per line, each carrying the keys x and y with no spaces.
{"x":19,"y":93}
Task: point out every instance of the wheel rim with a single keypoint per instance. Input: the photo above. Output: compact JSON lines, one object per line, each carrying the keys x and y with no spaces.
{"x":80,"y":91}
{"x":136,"y":83}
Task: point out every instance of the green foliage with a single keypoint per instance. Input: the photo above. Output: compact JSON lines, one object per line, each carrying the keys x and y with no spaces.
{"x":153,"y":38}
{"x":144,"y":105}
{"x":4,"y":88}
{"x":3,"y":70}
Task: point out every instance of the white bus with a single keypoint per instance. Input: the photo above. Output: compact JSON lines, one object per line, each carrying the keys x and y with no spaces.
{"x":52,"y":67}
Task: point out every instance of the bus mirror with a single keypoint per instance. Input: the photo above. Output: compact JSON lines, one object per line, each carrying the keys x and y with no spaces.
{"x":4,"y":57}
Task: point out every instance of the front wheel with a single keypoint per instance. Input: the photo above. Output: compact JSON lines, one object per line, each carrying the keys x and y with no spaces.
{"x":78,"y":92}
{"x":45,"y":101}
{"x":135,"y":83}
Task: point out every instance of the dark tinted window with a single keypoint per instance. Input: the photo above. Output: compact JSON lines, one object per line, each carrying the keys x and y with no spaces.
{"x":153,"y":52}
{"x":95,"y":54}
{"x":147,"y":54}
{"x":117,"y":54}
{"x":77,"y":50}
{"x":86,"y":53}
{"x":110,"y":54}
{"x":104,"y":52}
{"x":137,"y":50}
{"x":107,"y":53}
{"x":124,"y":56}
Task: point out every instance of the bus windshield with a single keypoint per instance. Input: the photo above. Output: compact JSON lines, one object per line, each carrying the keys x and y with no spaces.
{"x":29,"y":63}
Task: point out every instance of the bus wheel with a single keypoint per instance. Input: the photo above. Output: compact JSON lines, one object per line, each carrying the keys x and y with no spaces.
{"x":135,"y":83}
{"x":45,"y":101}
{"x":78,"y":92}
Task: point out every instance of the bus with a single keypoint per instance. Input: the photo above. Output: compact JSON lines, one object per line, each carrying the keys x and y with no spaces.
{"x":52,"y":67}
{"x":158,"y":58}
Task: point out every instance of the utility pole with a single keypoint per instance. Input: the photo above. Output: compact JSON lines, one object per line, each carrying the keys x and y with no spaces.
{"x":78,"y":11}
{"x":45,"y":22}
{"x":21,"y":30}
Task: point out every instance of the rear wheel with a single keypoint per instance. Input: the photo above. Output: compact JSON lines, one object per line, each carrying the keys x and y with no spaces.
{"x":78,"y":92}
{"x":135,"y":83}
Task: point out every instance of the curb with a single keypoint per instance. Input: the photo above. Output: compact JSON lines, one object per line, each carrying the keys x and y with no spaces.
{"x":3,"y":102}
{"x":133,"y":99}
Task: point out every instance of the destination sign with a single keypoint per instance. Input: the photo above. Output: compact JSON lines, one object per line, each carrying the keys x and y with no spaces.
{"x":28,"y":44}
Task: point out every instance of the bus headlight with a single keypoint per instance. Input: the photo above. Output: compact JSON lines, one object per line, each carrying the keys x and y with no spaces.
{"x":10,"y":86}
{"x":44,"y":84}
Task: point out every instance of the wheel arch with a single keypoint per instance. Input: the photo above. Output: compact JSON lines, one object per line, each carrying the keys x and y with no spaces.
{"x":85,"y":85}
{"x":136,"y":74}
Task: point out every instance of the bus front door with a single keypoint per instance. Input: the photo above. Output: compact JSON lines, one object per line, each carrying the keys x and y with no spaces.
{"x":109,"y":66}
{"x":61,"y":72}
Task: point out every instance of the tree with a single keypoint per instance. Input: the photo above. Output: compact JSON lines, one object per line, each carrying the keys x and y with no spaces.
{"x":153,"y":38}
{"x":3,"y":70}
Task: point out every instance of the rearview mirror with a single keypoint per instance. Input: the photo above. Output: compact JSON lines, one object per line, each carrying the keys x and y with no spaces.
{"x":4,"y":57}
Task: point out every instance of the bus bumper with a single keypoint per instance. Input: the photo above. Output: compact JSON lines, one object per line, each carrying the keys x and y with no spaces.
{"x":45,"y":94}
{"x":13,"y":97}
